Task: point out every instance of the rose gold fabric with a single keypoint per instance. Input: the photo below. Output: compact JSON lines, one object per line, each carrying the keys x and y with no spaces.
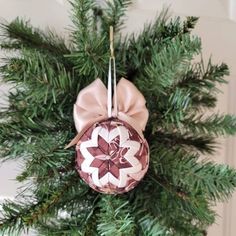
{"x":111,"y":156}
{"x":91,"y":107}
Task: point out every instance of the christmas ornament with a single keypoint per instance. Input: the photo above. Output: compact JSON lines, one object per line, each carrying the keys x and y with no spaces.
{"x":112,"y":154}
{"x":112,"y":157}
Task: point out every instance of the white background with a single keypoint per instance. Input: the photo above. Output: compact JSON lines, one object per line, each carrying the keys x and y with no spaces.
{"x":217,"y":28}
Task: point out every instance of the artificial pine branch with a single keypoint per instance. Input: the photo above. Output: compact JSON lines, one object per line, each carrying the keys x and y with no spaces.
{"x":204,"y":100}
{"x":91,"y":51}
{"x":173,"y":202}
{"x":200,"y":79}
{"x":23,"y":34}
{"x":153,"y":35}
{"x":113,"y":14}
{"x":115,"y":217}
{"x":19,"y":216}
{"x":169,"y":64}
{"x":194,"y":177}
{"x":216,"y":124}
{"x":176,"y":196}
{"x":22,"y":215}
{"x":189,"y":23}
{"x":42,"y":166}
{"x":204,"y":144}
{"x":20,"y":33}
{"x":149,"y":226}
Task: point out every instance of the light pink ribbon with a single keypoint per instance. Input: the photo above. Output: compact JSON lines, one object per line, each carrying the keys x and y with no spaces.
{"x":92,"y":106}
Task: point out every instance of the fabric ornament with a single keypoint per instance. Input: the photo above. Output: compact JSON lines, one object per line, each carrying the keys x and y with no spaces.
{"x":112,"y":153}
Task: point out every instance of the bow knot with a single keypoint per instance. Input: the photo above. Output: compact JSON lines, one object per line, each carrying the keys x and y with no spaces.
{"x":92,"y":105}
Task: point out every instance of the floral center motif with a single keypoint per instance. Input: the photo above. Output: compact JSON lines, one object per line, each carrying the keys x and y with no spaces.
{"x":110,"y":156}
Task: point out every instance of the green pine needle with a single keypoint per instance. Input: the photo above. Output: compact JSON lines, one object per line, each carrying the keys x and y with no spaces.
{"x":46,"y":74}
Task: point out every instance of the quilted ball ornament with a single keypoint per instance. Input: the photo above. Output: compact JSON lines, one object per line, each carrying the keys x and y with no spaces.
{"x":112,"y":153}
{"x":112,"y":157}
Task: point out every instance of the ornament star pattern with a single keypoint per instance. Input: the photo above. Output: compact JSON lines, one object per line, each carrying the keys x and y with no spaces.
{"x":131,"y":147}
{"x":109,"y":159}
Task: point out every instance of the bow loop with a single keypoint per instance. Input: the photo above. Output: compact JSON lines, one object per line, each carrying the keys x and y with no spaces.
{"x":91,"y":106}
{"x":132,"y":103}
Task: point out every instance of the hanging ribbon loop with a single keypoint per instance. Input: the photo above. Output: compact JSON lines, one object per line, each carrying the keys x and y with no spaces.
{"x":112,"y":106}
{"x":112,"y":42}
{"x":112,"y":67}
{"x":96,"y":102}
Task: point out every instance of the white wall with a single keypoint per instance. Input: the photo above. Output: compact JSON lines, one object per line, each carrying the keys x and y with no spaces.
{"x":218,"y":33}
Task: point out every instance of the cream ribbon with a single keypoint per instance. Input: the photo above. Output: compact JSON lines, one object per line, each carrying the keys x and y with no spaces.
{"x":96,"y":102}
{"x":92,"y":106}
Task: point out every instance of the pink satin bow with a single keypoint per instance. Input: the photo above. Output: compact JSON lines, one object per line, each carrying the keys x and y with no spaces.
{"x":91,"y":107}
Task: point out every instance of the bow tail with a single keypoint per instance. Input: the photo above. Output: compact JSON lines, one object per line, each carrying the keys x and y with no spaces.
{"x":76,"y":139}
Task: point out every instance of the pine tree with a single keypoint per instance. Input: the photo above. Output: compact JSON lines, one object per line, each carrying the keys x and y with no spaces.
{"x":178,"y":192}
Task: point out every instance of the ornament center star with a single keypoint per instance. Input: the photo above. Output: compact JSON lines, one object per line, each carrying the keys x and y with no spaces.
{"x":110,"y":156}
{"x":109,"y":160}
